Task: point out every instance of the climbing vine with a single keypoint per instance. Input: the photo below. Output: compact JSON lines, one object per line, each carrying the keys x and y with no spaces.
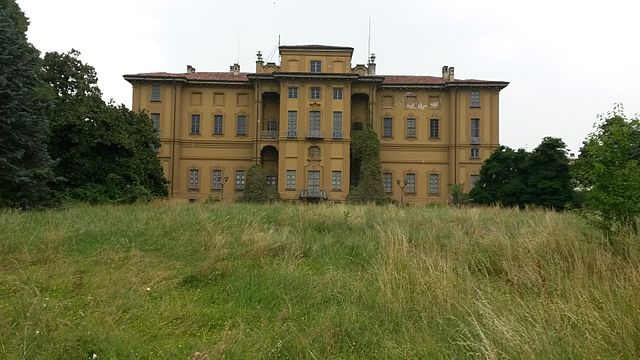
{"x":365,"y":155}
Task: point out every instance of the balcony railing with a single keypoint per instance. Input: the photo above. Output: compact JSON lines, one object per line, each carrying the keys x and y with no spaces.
{"x":313,"y":194}
{"x":475,"y":140}
{"x":291,"y":133}
{"x":315,"y":134}
{"x":269,"y":134}
{"x":337,"y":134}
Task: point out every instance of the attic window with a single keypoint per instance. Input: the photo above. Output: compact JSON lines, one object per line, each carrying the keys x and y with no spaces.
{"x":316,"y":66}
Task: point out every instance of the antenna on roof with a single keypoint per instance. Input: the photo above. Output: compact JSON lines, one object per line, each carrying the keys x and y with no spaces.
{"x":238,"y":57}
{"x":369,"y":42}
{"x":279,"y":57}
{"x":273,"y":52}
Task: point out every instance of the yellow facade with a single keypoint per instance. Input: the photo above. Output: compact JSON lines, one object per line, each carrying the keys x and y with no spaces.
{"x":295,"y":120}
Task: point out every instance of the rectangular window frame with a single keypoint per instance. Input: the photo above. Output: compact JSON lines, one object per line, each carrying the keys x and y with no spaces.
{"x":240,"y":179}
{"x":474,"y":131}
{"x":387,"y":182}
{"x":293,"y":92}
{"x":216,"y":179}
{"x":474,"y":99}
{"x":155,"y":121}
{"x":434,"y":128}
{"x":315,"y":93}
{"x":193,"y":179}
{"x":292,"y":123}
{"x":410,"y":180}
{"x":411,"y":125}
{"x":195,"y":124}
{"x":387,"y":127}
{"x":241,"y":125}
{"x":434,"y":184}
{"x":336,"y":180}
{"x":337,"y":125}
{"x":315,"y":66}
{"x":218,"y":125}
{"x":156,"y":93}
{"x":290,"y":182}
{"x":474,"y":153}
{"x":315,"y":128}
{"x":337,"y":93}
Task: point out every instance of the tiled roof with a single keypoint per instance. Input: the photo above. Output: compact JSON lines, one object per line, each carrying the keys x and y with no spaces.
{"x":197,"y":76}
{"x":242,"y":77}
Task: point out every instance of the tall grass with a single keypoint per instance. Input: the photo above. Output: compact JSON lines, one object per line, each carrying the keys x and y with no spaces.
{"x":325,"y":281}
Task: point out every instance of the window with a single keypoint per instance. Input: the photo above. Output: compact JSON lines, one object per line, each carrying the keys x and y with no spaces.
{"x":272,"y":181}
{"x":434,"y":183}
{"x":387,"y":182}
{"x":155,"y":92}
{"x":475,"y":131}
{"x":292,"y":124}
{"x":411,"y":128}
{"x":314,"y":124}
{"x":293,"y":93}
{"x":316,"y":66}
{"x":241,"y":125}
{"x":218,"y":121}
{"x":240,"y":179}
{"x":337,"y":124}
{"x":387,"y":124}
{"x":216,"y":179}
{"x":474,"y":99}
{"x":337,"y":93}
{"x":195,"y":123}
{"x":272,"y":127}
{"x":291,"y":180}
{"x":315,"y":93}
{"x":336,"y":180}
{"x":410,"y":183}
{"x":194,"y":179}
{"x":475,"y":153}
{"x":155,"y":120}
{"x":473,"y":180}
{"x":434,"y":128}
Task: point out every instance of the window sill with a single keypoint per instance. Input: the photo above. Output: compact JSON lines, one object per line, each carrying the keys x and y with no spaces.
{"x":475,"y":107}
{"x":241,"y":135}
{"x":194,"y":134}
{"x":155,"y":101}
{"x":217,"y":135}
{"x":193,"y":189}
{"x":336,"y":190}
{"x":290,"y":190}
{"x":434,"y":138}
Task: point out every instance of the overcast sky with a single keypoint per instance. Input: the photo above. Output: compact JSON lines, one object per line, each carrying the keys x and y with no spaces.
{"x":567,"y":61}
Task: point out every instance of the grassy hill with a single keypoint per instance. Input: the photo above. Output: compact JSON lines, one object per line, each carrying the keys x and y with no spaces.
{"x":165,"y":281}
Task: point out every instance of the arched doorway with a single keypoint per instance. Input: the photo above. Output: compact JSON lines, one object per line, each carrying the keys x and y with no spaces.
{"x":269,"y":162}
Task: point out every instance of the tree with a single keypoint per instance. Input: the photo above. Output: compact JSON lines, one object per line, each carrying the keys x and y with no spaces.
{"x":502,"y":178}
{"x":548,"y":182}
{"x":256,"y":189}
{"x":106,"y":152}
{"x":26,"y":174}
{"x":519,"y":178}
{"x":365,"y":151}
{"x":607,"y":170}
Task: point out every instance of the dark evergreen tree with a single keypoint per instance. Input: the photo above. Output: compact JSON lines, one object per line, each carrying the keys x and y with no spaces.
{"x":502,"y":178}
{"x":256,"y":189}
{"x":548,"y":182}
{"x":106,"y":152}
{"x":26,"y":172}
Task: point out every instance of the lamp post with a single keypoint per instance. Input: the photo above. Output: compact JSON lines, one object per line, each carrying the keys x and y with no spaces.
{"x":401,"y":184}
{"x":224,"y":181}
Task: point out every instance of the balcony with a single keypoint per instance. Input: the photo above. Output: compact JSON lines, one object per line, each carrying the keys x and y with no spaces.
{"x":269,"y":134}
{"x":475,"y":140}
{"x":315,"y":134}
{"x":313,"y":195}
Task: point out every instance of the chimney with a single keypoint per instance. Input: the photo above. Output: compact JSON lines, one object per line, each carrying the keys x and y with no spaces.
{"x":451,"y":74}
{"x":190,"y":69}
{"x":445,"y":73}
{"x":371,"y":66}
{"x":259,"y":62}
{"x":235,"y":69}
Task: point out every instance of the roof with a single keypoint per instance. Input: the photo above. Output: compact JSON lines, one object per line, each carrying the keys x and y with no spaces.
{"x":196,"y":76}
{"x":390,"y":80}
{"x":316,"y":47}
{"x":434,"y":80}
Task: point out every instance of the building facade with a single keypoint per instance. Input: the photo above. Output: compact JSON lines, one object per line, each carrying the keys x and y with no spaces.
{"x":295,"y":119}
